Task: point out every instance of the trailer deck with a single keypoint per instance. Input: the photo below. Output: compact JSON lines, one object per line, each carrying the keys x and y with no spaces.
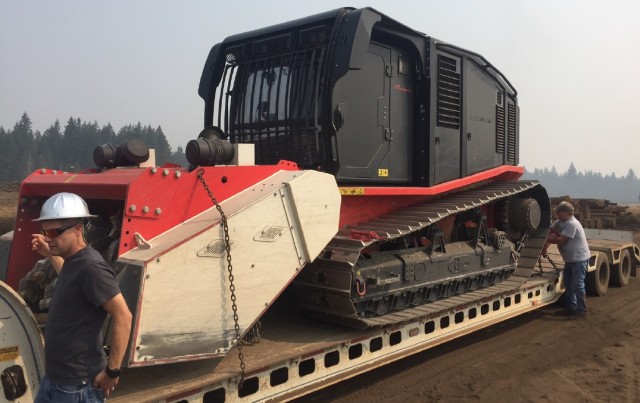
{"x":297,"y":355}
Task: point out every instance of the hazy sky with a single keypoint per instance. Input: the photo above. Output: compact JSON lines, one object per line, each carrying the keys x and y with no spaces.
{"x":575,"y":64}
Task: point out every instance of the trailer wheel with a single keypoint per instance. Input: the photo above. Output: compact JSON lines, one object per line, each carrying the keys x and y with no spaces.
{"x":621,"y":272}
{"x":597,"y":281}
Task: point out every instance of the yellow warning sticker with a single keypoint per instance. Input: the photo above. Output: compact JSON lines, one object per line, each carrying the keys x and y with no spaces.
{"x":352,"y":191}
{"x":383,"y":172}
{"x":8,"y":353}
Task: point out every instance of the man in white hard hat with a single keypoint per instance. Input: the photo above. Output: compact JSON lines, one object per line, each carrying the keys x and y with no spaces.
{"x":76,"y":368}
{"x":568,"y":233}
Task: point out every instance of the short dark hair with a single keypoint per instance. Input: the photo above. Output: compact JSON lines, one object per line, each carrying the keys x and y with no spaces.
{"x":565,"y":206}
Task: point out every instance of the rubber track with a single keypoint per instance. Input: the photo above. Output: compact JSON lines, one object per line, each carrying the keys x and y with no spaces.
{"x":345,"y":250}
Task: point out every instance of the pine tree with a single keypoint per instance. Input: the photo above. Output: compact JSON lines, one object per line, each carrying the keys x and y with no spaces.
{"x":22,"y":162}
{"x":179,"y":157}
{"x":8,"y":154}
{"x":48,"y":147}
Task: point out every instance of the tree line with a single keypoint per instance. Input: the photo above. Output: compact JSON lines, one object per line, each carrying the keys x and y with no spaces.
{"x":71,"y":148}
{"x":588,"y":184}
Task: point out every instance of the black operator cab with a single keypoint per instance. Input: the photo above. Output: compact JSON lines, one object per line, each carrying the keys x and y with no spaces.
{"x":357,"y":94}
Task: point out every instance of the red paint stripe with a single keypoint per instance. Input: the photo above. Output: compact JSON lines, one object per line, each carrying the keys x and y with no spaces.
{"x":379,"y":201}
{"x":502,"y":173}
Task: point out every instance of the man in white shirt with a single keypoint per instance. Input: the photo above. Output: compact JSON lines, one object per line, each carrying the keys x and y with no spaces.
{"x":568,"y":233}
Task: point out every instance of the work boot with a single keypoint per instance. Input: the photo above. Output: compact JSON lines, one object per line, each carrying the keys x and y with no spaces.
{"x":565,"y":312}
{"x":577,"y":315}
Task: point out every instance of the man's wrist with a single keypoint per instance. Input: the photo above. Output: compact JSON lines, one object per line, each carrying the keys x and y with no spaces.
{"x":112,"y":373}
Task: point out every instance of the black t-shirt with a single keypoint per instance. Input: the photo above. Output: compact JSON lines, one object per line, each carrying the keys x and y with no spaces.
{"x":73,"y":342}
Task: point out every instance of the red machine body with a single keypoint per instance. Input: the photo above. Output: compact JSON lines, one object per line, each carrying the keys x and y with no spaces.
{"x":153,"y":200}
{"x":360,"y":204}
{"x":148,"y":200}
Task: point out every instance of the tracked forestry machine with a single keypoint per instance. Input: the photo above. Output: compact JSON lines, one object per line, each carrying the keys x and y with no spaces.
{"x":359,"y":165}
{"x":422,"y":138}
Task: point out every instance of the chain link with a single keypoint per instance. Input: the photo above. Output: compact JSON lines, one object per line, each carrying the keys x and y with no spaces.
{"x":555,"y":266}
{"x":232,"y":287}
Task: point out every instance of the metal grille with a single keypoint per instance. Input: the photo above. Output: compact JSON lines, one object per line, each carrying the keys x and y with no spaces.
{"x":499,"y":129}
{"x":511,"y":133}
{"x":268,"y":234}
{"x":269,"y":96}
{"x":449,"y":93}
{"x":213,"y":249}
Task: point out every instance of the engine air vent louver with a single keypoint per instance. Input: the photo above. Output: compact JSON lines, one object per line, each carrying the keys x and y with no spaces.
{"x":449,"y":93}
{"x":511,"y":133}
{"x":499,"y":129}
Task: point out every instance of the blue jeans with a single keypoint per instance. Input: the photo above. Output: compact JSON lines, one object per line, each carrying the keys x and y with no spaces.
{"x":57,"y":393}
{"x":574,"y":274}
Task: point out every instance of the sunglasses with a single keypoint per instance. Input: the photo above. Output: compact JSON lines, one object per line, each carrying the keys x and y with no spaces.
{"x":56,"y":232}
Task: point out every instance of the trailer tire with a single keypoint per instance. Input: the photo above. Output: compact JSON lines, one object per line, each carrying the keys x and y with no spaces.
{"x":621,"y":272}
{"x":597,"y":281}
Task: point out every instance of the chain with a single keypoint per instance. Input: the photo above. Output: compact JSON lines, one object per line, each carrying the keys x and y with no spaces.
{"x":553,"y":264}
{"x":540,"y":269}
{"x":232,"y":287}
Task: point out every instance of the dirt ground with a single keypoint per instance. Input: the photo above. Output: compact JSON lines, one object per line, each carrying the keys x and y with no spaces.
{"x":535,"y":357}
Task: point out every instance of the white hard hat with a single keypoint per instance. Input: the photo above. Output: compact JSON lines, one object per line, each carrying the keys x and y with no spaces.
{"x":64,"y":205}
